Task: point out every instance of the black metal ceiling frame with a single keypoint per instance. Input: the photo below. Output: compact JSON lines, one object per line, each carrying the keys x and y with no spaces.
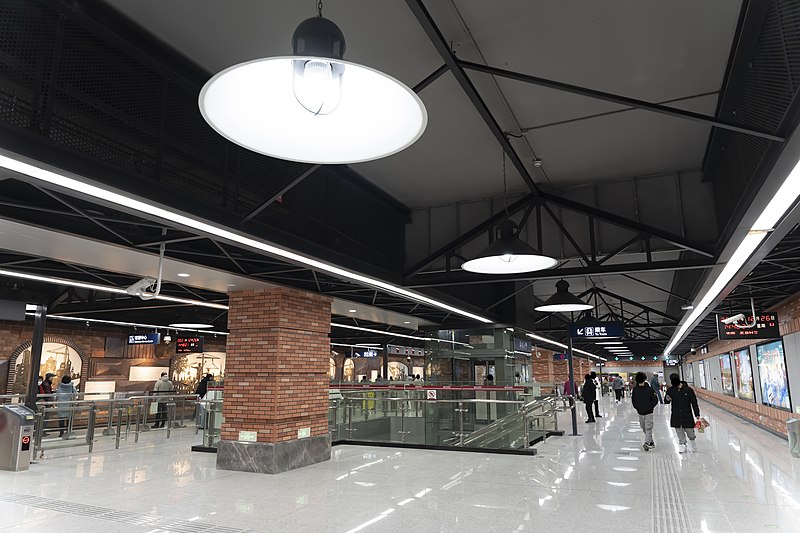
{"x":536,"y":197}
{"x":239,"y":259}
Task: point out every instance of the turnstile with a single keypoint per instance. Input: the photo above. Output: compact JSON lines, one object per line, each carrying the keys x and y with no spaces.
{"x":16,"y":437}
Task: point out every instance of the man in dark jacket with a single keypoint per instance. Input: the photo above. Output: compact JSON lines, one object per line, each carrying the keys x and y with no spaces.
{"x":589,"y":395}
{"x":597,"y":384}
{"x":644,"y":401}
{"x":684,"y":412}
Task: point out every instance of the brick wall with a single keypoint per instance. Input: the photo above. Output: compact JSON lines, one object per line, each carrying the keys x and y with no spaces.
{"x":546,"y":370}
{"x":277,"y":364}
{"x":769,"y":417}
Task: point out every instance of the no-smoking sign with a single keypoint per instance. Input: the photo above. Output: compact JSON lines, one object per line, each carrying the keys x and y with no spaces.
{"x":431,"y":394}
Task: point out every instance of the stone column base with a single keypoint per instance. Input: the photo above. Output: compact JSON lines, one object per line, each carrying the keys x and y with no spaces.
{"x":267,"y":458}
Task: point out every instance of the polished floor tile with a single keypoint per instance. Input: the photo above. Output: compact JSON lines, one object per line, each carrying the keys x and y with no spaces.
{"x":741,"y":479}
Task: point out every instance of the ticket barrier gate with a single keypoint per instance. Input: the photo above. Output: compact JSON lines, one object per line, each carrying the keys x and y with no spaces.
{"x":16,"y":437}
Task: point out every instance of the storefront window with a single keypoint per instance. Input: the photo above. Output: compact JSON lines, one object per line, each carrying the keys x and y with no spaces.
{"x":57,"y":358}
{"x":349,"y":372}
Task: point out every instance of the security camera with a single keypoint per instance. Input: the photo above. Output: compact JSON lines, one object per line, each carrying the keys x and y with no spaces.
{"x":140,"y":286}
{"x":167,"y":339}
{"x":694,"y":351}
{"x":733,"y":319}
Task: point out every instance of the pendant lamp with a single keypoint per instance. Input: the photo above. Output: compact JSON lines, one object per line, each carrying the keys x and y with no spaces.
{"x":313,"y":107}
{"x":508,"y":255}
{"x":563,"y":300}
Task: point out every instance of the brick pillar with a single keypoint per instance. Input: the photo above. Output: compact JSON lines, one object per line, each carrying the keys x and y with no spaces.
{"x":276,"y":382}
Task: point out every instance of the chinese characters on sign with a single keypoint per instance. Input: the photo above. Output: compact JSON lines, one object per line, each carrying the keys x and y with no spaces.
{"x":144,"y":338}
{"x":189,"y":345}
{"x":602,"y":330}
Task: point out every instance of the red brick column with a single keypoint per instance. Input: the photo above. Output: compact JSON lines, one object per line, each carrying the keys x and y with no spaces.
{"x":276,"y":382}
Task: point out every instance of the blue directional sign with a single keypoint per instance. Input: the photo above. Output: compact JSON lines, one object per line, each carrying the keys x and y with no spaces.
{"x":597,"y":331}
{"x":144,"y":338}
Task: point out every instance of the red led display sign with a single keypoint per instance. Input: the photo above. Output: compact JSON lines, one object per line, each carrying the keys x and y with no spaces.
{"x":764,"y":326}
{"x":189,"y":345}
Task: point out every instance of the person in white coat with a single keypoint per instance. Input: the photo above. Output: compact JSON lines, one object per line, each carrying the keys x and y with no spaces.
{"x":162,"y":386}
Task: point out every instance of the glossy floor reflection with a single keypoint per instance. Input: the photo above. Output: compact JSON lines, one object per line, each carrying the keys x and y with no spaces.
{"x":741,"y":479}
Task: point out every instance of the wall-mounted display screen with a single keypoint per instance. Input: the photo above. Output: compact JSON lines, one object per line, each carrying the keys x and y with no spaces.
{"x":772,"y":374}
{"x":189,"y":345}
{"x":744,"y":375}
{"x":702,"y":371}
{"x":726,"y":373}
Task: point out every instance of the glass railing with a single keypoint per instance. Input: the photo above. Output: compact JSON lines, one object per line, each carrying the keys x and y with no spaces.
{"x":433,"y":418}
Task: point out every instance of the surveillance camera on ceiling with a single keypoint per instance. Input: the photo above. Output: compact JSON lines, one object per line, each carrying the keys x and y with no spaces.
{"x":167,"y":338}
{"x":140,"y":286}
{"x":694,"y":351}
{"x":733,"y":319}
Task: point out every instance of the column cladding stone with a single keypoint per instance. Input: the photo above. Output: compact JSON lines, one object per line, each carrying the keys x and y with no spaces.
{"x":276,"y":380}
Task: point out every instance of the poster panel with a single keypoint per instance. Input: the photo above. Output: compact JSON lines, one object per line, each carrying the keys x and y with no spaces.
{"x":744,"y":375}
{"x":772,"y":374}
{"x":726,"y":373}
{"x":702,"y":370}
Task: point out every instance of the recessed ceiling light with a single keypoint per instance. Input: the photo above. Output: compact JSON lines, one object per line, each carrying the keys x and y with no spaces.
{"x":352,"y":311}
{"x":231,"y":285}
{"x":190,"y":325}
{"x":183,"y":275}
{"x":407,"y":322}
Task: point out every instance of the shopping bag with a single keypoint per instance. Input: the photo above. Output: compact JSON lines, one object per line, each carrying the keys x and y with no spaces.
{"x":701,"y":425}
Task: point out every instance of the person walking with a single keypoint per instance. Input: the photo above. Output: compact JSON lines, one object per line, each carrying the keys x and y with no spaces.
{"x":619,"y":388}
{"x":589,"y":395}
{"x":644,"y":400}
{"x":65,"y":393}
{"x":596,"y":401}
{"x":161,"y":387}
{"x":656,"y":386}
{"x":685,"y":411}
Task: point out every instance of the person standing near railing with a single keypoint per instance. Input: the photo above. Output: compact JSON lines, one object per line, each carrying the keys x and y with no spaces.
{"x":162,"y":386}
{"x":64,"y":393}
{"x":589,"y":396}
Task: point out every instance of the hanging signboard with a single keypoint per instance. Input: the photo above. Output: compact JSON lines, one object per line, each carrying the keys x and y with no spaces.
{"x":522,"y":345}
{"x":405,"y":350}
{"x":559,"y":357}
{"x":144,"y":338}
{"x":365,"y":353}
{"x":763,"y":326}
{"x":189,"y":345}
{"x":598,"y":330}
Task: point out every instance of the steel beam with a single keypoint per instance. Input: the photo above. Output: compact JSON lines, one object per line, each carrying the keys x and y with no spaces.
{"x":626,"y":223}
{"x":286,"y":188}
{"x":443,"y":47}
{"x":432,"y":77}
{"x":617,"y":99}
{"x":470,"y":234}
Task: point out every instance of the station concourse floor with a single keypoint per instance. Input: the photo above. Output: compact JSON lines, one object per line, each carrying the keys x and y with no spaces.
{"x":741,"y":479}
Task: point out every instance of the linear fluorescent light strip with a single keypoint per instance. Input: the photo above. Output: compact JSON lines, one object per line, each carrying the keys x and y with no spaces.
{"x":556,"y":343}
{"x":211,"y":229}
{"x":104,"y":288}
{"x":776,"y":208}
{"x":390,"y":334}
{"x":376,"y":348}
{"x":119,"y":323}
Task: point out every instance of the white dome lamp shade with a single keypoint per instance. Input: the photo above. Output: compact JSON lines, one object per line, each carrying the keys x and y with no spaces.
{"x":313,"y":107}
{"x":563,"y":301}
{"x":508,"y":255}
